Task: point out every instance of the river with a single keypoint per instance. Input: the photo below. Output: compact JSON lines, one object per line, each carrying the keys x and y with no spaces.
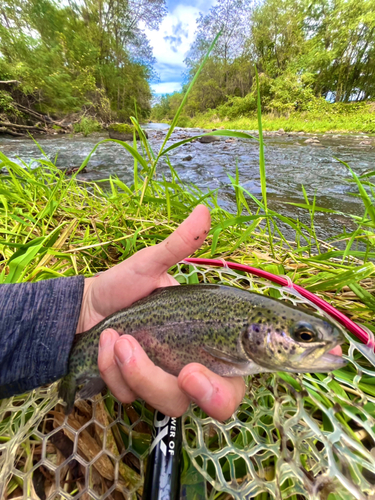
{"x":290,"y":163}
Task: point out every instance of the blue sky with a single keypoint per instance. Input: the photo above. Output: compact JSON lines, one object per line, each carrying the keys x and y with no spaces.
{"x":173,"y":39}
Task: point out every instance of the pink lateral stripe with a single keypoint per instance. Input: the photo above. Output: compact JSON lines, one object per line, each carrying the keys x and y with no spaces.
{"x":339,"y":316}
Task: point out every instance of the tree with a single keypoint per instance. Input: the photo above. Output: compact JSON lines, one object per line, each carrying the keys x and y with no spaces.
{"x":341,"y":48}
{"x":277,"y":37}
{"x":229,"y":70}
{"x":80,"y":53}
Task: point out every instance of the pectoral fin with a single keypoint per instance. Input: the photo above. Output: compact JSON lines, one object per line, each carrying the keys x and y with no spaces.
{"x":230,"y":365}
{"x":224,"y":356}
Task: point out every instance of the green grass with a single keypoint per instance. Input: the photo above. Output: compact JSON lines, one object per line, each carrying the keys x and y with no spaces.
{"x":295,"y":122}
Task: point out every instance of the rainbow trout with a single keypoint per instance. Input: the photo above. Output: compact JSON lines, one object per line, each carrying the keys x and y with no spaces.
{"x":229,"y":330}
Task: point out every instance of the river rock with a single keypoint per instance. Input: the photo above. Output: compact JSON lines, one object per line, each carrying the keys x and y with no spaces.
{"x":281,"y":131}
{"x":187,"y":158}
{"x":122,"y":136}
{"x":230,"y":140}
{"x":72,"y":170}
{"x":365,"y":143}
{"x":312,"y":141}
{"x":206,"y":139}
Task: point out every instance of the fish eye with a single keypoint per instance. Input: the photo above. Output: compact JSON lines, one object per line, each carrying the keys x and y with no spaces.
{"x":304,"y":333}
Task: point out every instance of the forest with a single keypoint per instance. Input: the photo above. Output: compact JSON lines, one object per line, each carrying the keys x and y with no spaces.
{"x":61,"y":58}
{"x":312,"y":56}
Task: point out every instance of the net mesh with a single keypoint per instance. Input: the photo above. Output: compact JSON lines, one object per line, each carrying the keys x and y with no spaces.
{"x":301,"y":436}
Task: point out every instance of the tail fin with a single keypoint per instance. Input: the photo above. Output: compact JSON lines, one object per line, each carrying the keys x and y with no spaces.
{"x":67,"y":391}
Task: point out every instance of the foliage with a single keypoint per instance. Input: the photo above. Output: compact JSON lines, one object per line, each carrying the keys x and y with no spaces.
{"x":308,"y":55}
{"x":6,"y":101}
{"x":87,"y":125}
{"x":70,"y":55}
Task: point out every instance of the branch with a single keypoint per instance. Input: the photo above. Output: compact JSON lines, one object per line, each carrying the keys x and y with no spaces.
{"x":44,"y":118}
{"x":9,"y":82}
{"x":27,"y":127}
{"x":4,"y":130}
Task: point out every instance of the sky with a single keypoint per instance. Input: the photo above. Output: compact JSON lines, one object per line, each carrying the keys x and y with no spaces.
{"x":172,"y":41}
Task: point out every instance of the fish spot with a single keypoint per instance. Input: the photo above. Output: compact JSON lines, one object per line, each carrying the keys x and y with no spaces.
{"x":258,"y":342}
{"x":197,"y":238}
{"x":279,"y":351}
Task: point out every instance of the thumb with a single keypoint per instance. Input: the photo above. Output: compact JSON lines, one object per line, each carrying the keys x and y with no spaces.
{"x":139,"y":275}
{"x":184,"y":241}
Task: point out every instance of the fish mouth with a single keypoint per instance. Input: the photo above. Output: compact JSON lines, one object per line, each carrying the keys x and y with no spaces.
{"x":331,"y":360}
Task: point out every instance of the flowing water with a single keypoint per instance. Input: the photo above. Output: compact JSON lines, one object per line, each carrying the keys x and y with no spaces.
{"x":290,"y":163}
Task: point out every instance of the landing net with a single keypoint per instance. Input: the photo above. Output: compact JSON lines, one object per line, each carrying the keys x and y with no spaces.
{"x":294,"y":436}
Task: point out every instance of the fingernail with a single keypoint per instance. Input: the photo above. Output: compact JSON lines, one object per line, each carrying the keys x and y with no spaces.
{"x":198,"y":386}
{"x":123,"y":351}
{"x":105,"y":339}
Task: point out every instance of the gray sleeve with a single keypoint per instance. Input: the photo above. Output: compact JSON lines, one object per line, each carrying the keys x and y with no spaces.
{"x":38,"y":322}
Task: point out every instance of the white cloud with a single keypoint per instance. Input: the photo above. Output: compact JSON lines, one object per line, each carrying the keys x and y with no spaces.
{"x":171,"y":43}
{"x":166,"y":87}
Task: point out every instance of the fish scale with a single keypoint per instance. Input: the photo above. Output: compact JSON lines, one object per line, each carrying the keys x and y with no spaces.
{"x":229,"y":330}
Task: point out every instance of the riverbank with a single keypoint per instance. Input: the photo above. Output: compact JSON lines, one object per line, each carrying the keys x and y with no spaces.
{"x":297,"y":122}
{"x":338,"y":120}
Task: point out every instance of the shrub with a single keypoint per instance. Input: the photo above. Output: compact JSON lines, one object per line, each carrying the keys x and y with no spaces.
{"x":87,"y":126}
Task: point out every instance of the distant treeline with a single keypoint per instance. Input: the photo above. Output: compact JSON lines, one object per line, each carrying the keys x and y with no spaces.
{"x":309,"y":53}
{"x":64,"y":57}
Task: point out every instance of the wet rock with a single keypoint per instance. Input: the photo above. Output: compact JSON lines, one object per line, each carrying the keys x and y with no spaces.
{"x":187,"y":158}
{"x":206,"y":139}
{"x":123,"y":136}
{"x":312,"y":141}
{"x":73,"y":170}
{"x":365,"y":143}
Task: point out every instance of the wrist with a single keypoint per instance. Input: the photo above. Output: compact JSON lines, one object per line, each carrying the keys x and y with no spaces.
{"x":85,"y":306}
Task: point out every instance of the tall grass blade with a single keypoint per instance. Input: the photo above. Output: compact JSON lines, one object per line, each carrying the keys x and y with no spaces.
{"x":365,"y":197}
{"x":262,"y":163}
{"x":178,"y":112}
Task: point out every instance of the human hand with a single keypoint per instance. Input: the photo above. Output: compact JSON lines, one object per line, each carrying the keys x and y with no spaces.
{"x":123,"y":364}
